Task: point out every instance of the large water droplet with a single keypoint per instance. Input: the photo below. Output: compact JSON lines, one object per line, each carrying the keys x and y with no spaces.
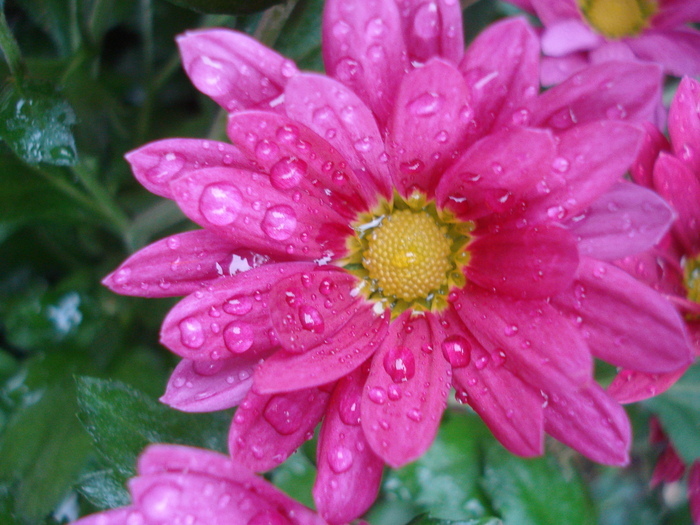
{"x":288,"y":173}
{"x":279,"y":222}
{"x":414,"y":414}
{"x":340,"y":459}
{"x":168,"y":166}
{"x":238,"y":305}
{"x":238,"y":337}
{"x":400,"y":364}
{"x":347,"y":69}
{"x":158,"y":501}
{"x":220,"y":203}
{"x":426,"y":105}
{"x":207,"y":368}
{"x":349,"y":410}
{"x":266,"y":150}
{"x":457,"y":351}
{"x":377,"y":395}
{"x":283,"y":414}
{"x":426,"y":23}
{"x":311,"y":319}
{"x":191,"y":333}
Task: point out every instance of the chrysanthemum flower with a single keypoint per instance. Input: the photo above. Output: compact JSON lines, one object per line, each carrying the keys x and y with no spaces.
{"x":421,"y":219}
{"x":180,"y":485}
{"x":673,"y":266}
{"x":578,"y":33}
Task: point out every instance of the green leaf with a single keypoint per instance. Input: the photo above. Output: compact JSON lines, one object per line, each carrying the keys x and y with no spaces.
{"x":228,"y":7}
{"x":53,"y":16}
{"x":104,"y":489}
{"x":36,"y":121}
{"x":536,"y":491}
{"x":300,"y":38}
{"x":296,"y":477}
{"x":123,"y":420}
{"x":679,"y":412}
{"x":429,"y":520}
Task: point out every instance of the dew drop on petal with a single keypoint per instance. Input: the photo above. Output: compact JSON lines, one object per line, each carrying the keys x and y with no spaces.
{"x":288,"y":173}
{"x":220,"y":203}
{"x":158,"y":501}
{"x":279,"y":222}
{"x":400,"y":364}
{"x":561,"y":165}
{"x":457,"y":351}
{"x":168,"y":166}
{"x":377,"y":395}
{"x":284,"y":415}
{"x":349,"y":410}
{"x":238,"y":337}
{"x":311,"y":319}
{"x":340,"y":459}
{"x":266,"y":150}
{"x":510,"y":330}
{"x":414,"y":415}
{"x":207,"y":368}
{"x":191,"y":333}
{"x":238,"y":305}
{"x":426,"y":105}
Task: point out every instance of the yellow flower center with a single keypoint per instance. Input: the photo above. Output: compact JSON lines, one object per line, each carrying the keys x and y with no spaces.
{"x":408,"y":254}
{"x":618,"y":18}
{"x":692,"y":278}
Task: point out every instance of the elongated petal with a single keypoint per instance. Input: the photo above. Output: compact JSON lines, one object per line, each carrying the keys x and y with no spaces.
{"x":208,"y":386}
{"x":244,"y":207}
{"x":349,"y":473}
{"x":331,"y":358}
{"x":179,"y":265}
{"x":406,"y":391}
{"x":528,"y":263}
{"x":432,"y":29}
{"x":677,"y":12}
{"x":676,"y":183}
{"x":336,"y":113}
{"x":569,"y":36}
{"x":498,"y":172}
{"x":678,"y":51}
{"x":625,"y":322}
{"x":363,"y":47}
{"x":508,"y":406}
{"x":234,"y":69}
{"x":157,"y":163}
{"x":429,"y":125}
{"x":627,"y":220}
{"x":630,"y":386}
{"x":669,"y":468}
{"x":502,"y":68}
{"x":555,"y":70}
{"x":684,"y":123}
{"x":588,"y":420}
{"x":552,"y":12}
{"x":266,"y":430}
{"x":540,"y":345}
{"x":642,"y":170}
{"x":299,"y":162}
{"x":229,"y":318}
{"x":612,"y":90}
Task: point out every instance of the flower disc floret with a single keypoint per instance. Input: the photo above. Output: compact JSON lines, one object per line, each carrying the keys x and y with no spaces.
{"x":692,"y":278}
{"x":618,"y":18}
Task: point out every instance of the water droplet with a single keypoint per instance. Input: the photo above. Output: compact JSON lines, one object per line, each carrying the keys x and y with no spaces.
{"x":220,"y":203}
{"x":288,"y":69}
{"x":279,"y":222}
{"x":191,"y":333}
{"x":363,"y":145}
{"x":400,"y":364}
{"x":159,"y":500}
{"x":457,"y":351}
{"x":122,"y":276}
{"x":238,"y":337}
{"x":207,"y":368}
{"x":347,"y":69}
{"x":510,"y":330}
{"x":426,"y":105}
{"x":173,"y":243}
{"x":349,"y":410}
{"x":561,"y":165}
{"x":325,"y":287}
{"x":412,"y":166}
{"x":414,"y":415}
{"x":287,"y":133}
{"x":616,"y":112}
{"x":442,"y":136}
{"x":168,"y":166}
{"x":288,"y":173}
{"x":340,"y":29}
{"x":394,"y":392}
{"x":311,"y":319}
{"x":340,"y":459}
{"x":284,"y":415}
{"x":377,"y":395}
{"x":521,"y":117}
{"x":238,"y":305}
{"x":426,"y":23}
{"x":375,"y":28}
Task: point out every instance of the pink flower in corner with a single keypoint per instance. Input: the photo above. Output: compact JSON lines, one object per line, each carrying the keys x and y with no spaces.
{"x":178,"y":484}
{"x":421,"y":219}
{"x":578,"y":33}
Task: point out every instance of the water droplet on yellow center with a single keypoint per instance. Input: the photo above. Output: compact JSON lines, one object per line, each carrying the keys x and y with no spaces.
{"x":408,"y":255}
{"x":618,"y":18}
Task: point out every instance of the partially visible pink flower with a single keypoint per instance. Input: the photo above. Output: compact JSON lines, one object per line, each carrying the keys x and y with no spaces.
{"x":578,"y":33}
{"x":673,"y":266}
{"x":670,"y":467}
{"x":177,"y":484}
{"x":425,"y":219}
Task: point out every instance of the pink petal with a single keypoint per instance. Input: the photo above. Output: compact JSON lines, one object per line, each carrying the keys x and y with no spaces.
{"x":676,"y":12}
{"x":630,"y":386}
{"x":625,"y":322}
{"x":266,"y":430}
{"x":234,"y":69}
{"x":676,"y":183}
{"x":429,"y":125}
{"x":157,"y":163}
{"x":590,"y":159}
{"x":551,"y":12}
{"x":329,"y":359}
{"x":498,"y":172}
{"x":502,"y":68}
{"x":556,"y":70}
{"x":669,"y":468}
{"x":349,"y":473}
{"x":627,"y":220}
{"x":510,"y":408}
{"x":299,"y":161}
{"x":616,"y":50}
{"x":244,"y":207}
{"x":406,"y":391}
{"x":541,"y":346}
{"x":364,"y":49}
{"x":528,"y":263}
{"x":336,"y":113}
{"x":643,"y":167}
{"x":432,"y":29}
{"x":659,"y":268}
{"x":694,"y":491}
{"x":678,"y":51}
{"x":208,"y":386}
{"x":179,"y":265}
{"x":684,"y":123}
{"x":230,"y":318}
{"x":588,"y":420}
{"x":568,"y":36}
{"x":611,"y":90}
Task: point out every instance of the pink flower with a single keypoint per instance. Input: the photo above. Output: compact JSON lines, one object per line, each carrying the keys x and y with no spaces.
{"x":177,"y":484}
{"x":581,"y":32}
{"x":424,"y":219}
{"x":673,"y":266}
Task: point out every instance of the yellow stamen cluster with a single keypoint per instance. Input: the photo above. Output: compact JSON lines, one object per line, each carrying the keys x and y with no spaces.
{"x":618,"y":18}
{"x":692,"y":278}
